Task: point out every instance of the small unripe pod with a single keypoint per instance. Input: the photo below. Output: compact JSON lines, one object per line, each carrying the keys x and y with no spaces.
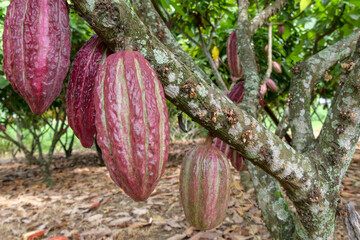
{"x":271,"y":85}
{"x":276,"y":67}
{"x":281,"y":30}
{"x":263,"y":89}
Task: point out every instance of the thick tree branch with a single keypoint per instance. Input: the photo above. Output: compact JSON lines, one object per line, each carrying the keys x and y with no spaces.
{"x":245,"y":134}
{"x":341,"y":130}
{"x":265,"y":14}
{"x":247,"y":58}
{"x":266,"y":186}
{"x":146,"y":12}
{"x":305,"y":76}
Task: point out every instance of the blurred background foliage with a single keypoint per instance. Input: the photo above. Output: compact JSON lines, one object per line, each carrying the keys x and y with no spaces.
{"x":309,"y":27}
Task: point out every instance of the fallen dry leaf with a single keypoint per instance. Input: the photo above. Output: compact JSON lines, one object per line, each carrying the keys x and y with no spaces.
{"x":177,"y":237}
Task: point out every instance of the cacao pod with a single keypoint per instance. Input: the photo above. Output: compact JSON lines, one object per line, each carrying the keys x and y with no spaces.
{"x":205,"y":179}
{"x":131,"y":123}
{"x":271,"y":85}
{"x":36,"y":43}
{"x":2,"y":128}
{"x":266,"y":49}
{"x":80,"y":107}
{"x":233,"y":57}
{"x":281,"y":30}
{"x":263,"y":89}
{"x":234,"y":156}
{"x":237,"y":93}
{"x":276,"y":67}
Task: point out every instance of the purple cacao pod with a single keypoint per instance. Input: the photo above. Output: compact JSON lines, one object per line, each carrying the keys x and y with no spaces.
{"x":234,"y":156}
{"x":205,"y":179}
{"x":263,"y":89}
{"x":233,"y":57}
{"x":131,"y":123}
{"x":237,"y":93}
{"x":276,"y":67}
{"x":271,"y":85}
{"x":80,"y":107}
{"x":281,"y":30}
{"x":2,"y":128}
{"x":36,"y":43}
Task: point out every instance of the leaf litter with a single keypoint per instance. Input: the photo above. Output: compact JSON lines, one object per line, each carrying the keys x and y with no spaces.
{"x":84,"y":203}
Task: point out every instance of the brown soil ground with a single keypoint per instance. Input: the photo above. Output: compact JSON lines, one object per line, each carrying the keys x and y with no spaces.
{"x":85,"y":204}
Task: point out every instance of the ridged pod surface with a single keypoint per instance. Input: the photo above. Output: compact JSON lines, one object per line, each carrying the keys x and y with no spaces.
{"x":233,"y":57}
{"x":80,"y":107}
{"x":131,"y":123}
{"x":36,"y":43}
{"x":237,"y":92}
{"x":237,"y":161}
{"x":205,"y":179}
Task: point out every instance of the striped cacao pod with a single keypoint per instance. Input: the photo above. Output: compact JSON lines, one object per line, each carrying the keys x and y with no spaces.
{"x":36,"y":43}
{"x":276,"y":67}
{"x":237,"y":161}
{"x":205,"y":179}
{"x":131,"y":123}
{"x":80,"y":107}
{"x":233,"y":57}
{"x":271,"y":85}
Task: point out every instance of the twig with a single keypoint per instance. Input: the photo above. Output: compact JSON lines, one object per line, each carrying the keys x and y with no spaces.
{"x":269,"y":56}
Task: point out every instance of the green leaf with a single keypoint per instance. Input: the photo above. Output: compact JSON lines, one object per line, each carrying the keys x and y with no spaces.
{"x":326,"y":2}
{"x":3,"y":82}
{"x":304,"y":4}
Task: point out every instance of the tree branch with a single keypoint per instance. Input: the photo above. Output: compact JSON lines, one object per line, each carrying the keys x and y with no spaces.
{"x":341,"y":130}
{"x":146,"y":12}
{"x":245,"y":134}
{"x":247,"y":58}
{"x":266,"y":186}
{"x":305,"y":76}
{"x":219,"y":80}
{"x":265,"y":14}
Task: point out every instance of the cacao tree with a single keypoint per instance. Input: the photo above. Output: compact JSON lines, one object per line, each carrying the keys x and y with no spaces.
{"x":310,"y":170}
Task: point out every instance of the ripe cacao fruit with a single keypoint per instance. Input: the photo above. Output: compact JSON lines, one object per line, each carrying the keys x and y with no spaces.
{"x":2,"y":128}
{"x":276,"y":67}
{"x":80,"y":107}
{"x":36,"y":43}
{"x":281,"y":30}
{"x":233,"y":57}
{"x":131,"y":123}
{"x":271,"y":85}
{"x":205,"y":179}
